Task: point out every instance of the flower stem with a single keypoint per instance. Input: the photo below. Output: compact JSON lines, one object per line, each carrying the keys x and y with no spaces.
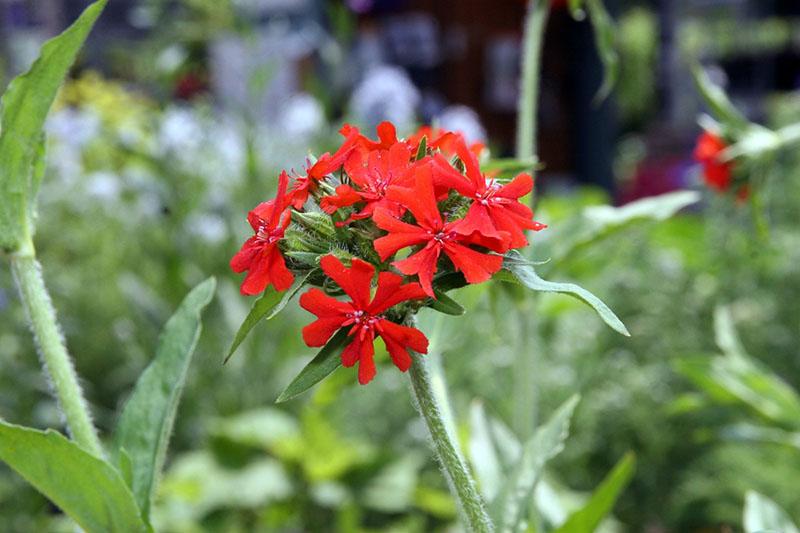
{"x":453,"y":464}
{"x":50,"y":342}
{"x":533,"y":40}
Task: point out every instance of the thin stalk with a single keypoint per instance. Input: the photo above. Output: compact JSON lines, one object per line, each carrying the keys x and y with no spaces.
{"x":447,"y":451}
{"x":53,"y":351}
{"x":533,"y":40}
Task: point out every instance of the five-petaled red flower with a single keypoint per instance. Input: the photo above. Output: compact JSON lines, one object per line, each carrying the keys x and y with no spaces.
{"x":364,"y":317}
{"x":435,"y":235}
{"x":717,"y":174}
{"x":373,"y":173}
{"x":260,"y":255}
{"x":495,"y":211}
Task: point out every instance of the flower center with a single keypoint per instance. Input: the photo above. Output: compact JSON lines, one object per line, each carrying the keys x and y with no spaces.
{"x":268,"y":235}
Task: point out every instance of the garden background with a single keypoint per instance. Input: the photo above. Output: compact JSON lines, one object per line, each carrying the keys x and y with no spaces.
{"x":178,"y":118}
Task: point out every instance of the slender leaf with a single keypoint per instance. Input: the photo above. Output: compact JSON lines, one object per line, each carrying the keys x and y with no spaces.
{"x":525,"y":274}
{"x":86,"y":488}
{"x":483,"y":453}
{"x":546,"y":443}
{"x":725,"y":334}
{"x":444,"y":304}
{"x":422,"y":151}
{"x":605,"y":41}
{"x":762,"y":514}
{"x":146,"y":423}
{"x":24,"y":109}
{"x":602,"y":221}
{"x":266,"y":307}
{"x":588,"y":518}
{"x":717,"y":101}
{"x":326,"y":361}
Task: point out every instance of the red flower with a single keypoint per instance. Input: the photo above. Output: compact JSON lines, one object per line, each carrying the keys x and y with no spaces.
{"x":496,"y":211}
{"x":717,"y":174}
{"x":387,"y":136}
{"x":373,"y":173}
{"x":260,"y":254}
{"x":326,"y":164}
{"x":436,"y":235}
{"x":440,"y":139}
{"x":364,"y":317}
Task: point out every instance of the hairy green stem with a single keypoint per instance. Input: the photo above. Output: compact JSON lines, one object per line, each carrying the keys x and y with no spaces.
{"x":50,"y":342}
{"x":447,"y":451}
{"x":533,"y":40}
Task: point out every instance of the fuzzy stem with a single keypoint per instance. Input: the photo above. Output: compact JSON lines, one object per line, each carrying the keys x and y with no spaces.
{"x":533,"y":40}
{"x":56,"y":360}
{"x":446,"y":449}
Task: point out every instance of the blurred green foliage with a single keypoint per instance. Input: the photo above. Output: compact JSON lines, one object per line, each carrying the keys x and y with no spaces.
{"x":132,"y":216}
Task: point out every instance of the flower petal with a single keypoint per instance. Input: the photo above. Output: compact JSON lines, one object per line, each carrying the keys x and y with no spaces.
{"x":356,"y":281}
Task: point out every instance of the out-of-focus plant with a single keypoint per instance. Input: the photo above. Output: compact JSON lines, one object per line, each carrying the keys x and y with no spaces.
{"x":101,"y":491}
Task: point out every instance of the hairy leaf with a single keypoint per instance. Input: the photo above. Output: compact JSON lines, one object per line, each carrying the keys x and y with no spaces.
{"x":266,"y":307}
{"x":525,"y":274}
{"x":444,"y":304}
{"x":546,"y":443}
{"x":24,"y":108}
{"x":717,"y":101}
{"x":326,"y":361}
{"x":146,"y":423}
{"x":86,"y":488}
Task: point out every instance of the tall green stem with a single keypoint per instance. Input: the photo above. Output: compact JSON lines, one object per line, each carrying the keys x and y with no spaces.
{"x":42,"y":318}
{"x":533,"y":40}
{"x":527,"y":114}
{"x":453,"y":464}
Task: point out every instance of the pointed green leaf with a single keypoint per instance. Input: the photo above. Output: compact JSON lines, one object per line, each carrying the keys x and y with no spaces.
{"x":444,"y":304}
{"x":588,"y":518}
{"x":525,"y":274}
{"x":326,"y":361}
{"x":24,"y":109}
{"x":146,"y":423}
{"x":86,"y":488}
{"x":717,"y":101}
{"x":266,"y":307}
{"x":422,"y":151}
{"x":762,"y":514}
{"x":546,"y":443}
{"x":606,"y":43}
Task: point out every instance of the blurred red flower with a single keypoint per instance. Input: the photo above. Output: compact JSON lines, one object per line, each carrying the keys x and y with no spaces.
{"x":716,"y":173}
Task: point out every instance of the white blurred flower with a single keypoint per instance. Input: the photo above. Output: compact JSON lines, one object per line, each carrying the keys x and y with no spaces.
{"x":103,"y":186}
{"x":180,"y":130}
{"x":74,"y":127}
{"x":385,"y":93}
{"x":210,"y":228}
{"x":302,"y":116}
{"x":462,"y":119}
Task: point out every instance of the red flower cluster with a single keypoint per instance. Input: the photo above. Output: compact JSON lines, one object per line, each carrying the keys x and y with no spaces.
{"x":393,"y":194}
{"x":717,"y":174}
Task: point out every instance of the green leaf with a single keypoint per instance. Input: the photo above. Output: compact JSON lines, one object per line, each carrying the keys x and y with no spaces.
{"x":762,"y":514}
{"x":525,"y":274}
{"x":717,"y":101}
{"x":422,"y":151}
{"x":483,"y":453}
{"x":444,"y":304}
{"x":147,"y":419}
{"x":546,"y":443}
{"x":511,"y":166}
{"x":326,"y":361}
{"x":266,"y":307}
{"x":598,"y":222}
{"x":86,"y":488}
{"x":24,"y":109}
{"x":605,"y":41}
{"x":587,"y":518}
